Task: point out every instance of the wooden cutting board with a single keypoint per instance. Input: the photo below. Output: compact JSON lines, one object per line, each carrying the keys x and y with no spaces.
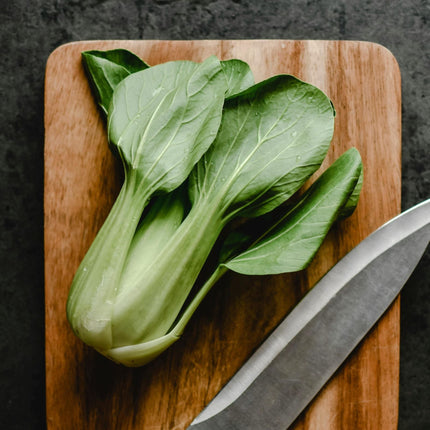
{"x":85,"y":390}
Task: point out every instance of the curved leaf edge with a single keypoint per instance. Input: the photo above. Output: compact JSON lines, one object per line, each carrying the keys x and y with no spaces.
{"x":106,"y":69}
{"x":258,"y":251}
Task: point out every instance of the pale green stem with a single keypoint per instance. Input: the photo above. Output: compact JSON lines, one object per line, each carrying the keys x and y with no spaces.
{"x":203,"y":291}
{"x":93,"y":291}
{"x":146,"y":310}
{"x":142,"y":353}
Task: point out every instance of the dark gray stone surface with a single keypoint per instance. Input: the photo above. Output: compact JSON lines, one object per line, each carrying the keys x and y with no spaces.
{"x":29,"y":31}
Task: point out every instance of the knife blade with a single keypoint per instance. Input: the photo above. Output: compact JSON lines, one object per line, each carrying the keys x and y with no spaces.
{"x":292,"y":365}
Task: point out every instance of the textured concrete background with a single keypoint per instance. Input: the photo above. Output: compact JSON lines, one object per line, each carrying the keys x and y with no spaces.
{"x":31,"y":30}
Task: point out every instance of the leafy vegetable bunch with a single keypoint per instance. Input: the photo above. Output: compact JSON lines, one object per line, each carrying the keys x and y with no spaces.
{"x":211,"y":160}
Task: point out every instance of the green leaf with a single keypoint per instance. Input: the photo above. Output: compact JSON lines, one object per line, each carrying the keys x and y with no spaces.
{"x":239,"y":76}
{"x":188,"y":98}
{"x":352,"y":202}
{"x":292,"y":243}
{"x":106,"y":69}
{"x":164,"y":118}
{"x":149,"y":267}
{"x":272,"y":138}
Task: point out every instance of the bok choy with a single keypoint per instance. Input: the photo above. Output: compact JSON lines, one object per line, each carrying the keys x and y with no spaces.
{"x":211,"y":161}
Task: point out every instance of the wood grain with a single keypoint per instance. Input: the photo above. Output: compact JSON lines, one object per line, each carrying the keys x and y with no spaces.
{"x":85,"y":390}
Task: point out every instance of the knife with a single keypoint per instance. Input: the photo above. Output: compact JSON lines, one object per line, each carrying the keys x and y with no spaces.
{"x":292,"y":365}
